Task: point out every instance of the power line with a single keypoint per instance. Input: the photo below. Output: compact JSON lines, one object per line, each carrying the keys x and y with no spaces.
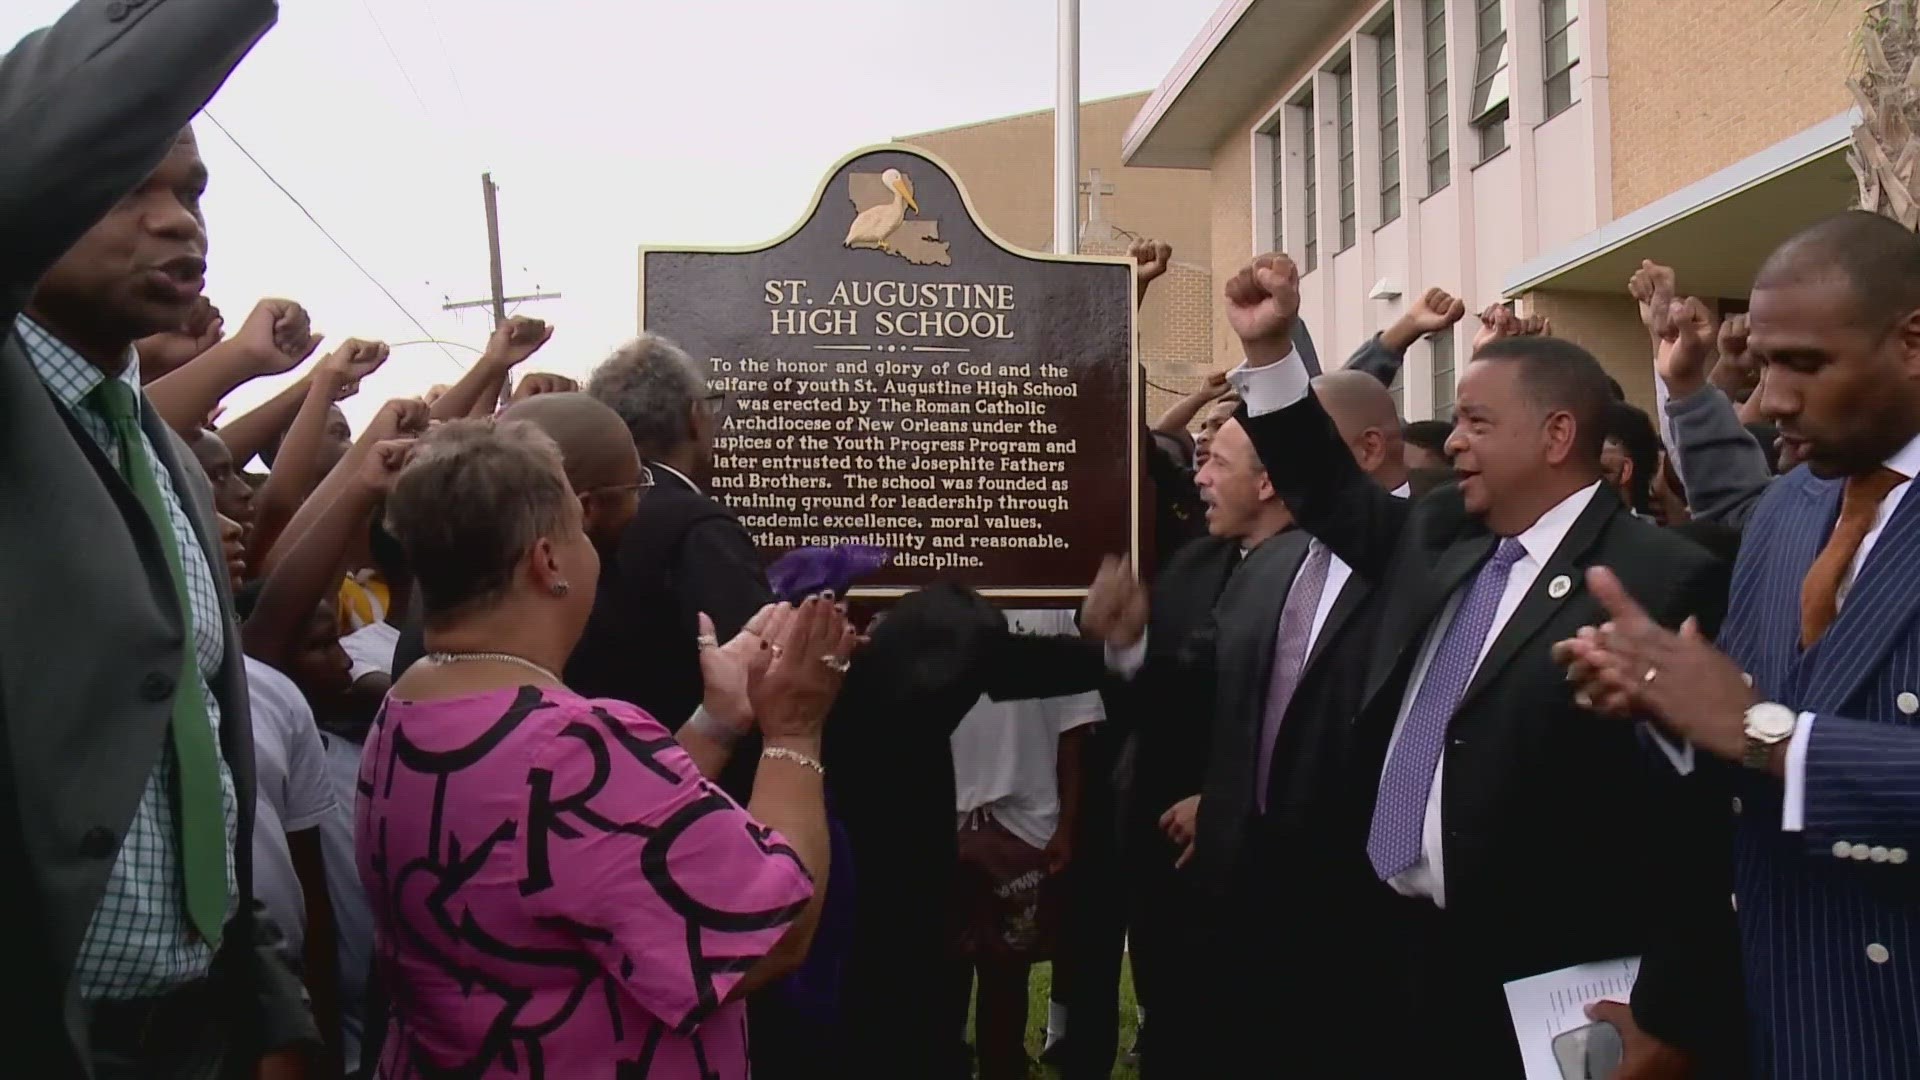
{"x":395,"y":53}
{"x":447,"y":56}
{"x":368,"y":274}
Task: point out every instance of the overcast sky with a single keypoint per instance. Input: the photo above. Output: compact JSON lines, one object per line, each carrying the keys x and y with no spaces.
{"x":608,"y":124}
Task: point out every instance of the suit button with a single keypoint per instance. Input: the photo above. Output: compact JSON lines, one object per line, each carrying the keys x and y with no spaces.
{"x":1877,"y":853}
{"x":116,"y":11}
{"x":1859,"y":852}
{"x":1841,"y":849}
{"x":1896,"y":856}
{"x":98,"y":843}
{"x":1736,"y":804}
{"x":156,"y":687}
{"x":1878,"y":953}
{"x":1908,"y":702}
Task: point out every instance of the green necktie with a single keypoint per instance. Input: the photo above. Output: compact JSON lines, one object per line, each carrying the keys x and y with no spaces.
{"x":203,"y":826}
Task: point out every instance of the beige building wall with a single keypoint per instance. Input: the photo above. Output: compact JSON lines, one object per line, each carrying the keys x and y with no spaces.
{"x":1608,"y":327}
{"x":1007,"y":167}
{"x":1700,"y":84}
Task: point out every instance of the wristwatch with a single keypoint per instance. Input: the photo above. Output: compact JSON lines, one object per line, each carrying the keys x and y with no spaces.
{"x":1768,"y":725}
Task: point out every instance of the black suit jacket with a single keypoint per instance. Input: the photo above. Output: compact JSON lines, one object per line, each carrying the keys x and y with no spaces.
{"x":1554,"y":818}
{"x":1161,"y":712}
{"x":684,"y":554}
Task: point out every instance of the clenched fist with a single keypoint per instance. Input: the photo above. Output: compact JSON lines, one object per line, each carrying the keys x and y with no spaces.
{"x":1115,"y":610}
{"x":1686,"y":346}
{"x":1652,"y":287}
{"x":1150,"y":260}
{"x":515,"y":340}
{"x":1436,"y":310}
{"x":345,"y":366}
{"x":1263,"y":300}
{"x":541,"y":382}
{"x":277,"y":335}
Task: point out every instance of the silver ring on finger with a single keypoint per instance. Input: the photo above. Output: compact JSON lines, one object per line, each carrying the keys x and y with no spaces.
{"x":838,"y":664}
{"x":708,"y":641}
{"x":1649,"y":676}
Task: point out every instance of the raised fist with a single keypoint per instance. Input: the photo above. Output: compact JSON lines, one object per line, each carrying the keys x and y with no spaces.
{"x":1652,"y":287}
{"x":1496,"y":322}
{"x":163,"y":353}
{"x":345,"y":366}
{"x":1737,"y":371}
{"x":515,"y":340}
{"x":1150,"y":260}
{"x":1263,"y":300}
{"x":277,"y":335}
{"x":401,"y":418}
{"x":1115,"y":610}
{"x":384,"y":462}
{"x":1687,"y":346}
{"x":541,"y":382}
{"x":1436,"y":310}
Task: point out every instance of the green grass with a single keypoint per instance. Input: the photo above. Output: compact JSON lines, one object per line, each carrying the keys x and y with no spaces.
{"x":1040,"y":984}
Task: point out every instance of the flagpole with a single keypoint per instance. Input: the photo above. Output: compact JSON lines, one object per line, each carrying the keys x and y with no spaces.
{"x":1066,"y":134}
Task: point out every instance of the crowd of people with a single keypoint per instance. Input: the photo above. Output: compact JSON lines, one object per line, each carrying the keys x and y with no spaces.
{"x":482,"y":743}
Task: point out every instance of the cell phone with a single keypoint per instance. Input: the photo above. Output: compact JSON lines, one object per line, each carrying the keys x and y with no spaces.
{"x":1592,"y":1052}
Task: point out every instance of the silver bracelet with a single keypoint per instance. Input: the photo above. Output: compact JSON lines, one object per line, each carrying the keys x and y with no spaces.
{"x":781,"y":753}
{"x":713,"y":727}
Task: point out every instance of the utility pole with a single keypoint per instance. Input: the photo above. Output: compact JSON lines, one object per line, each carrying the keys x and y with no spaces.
{"x":499,"y":300}
{"x":1066,"y":133}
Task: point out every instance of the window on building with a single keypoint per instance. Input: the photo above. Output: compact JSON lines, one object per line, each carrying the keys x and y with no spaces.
{"x":1278,"y":163}
{"x":1442,"y":345}
{"x":1562,"y":53}
{"x":1389,"y":128}
{"x":1343,"y":81}
{"x":1490,"y":94}
{"x":1310,"y":188}
{"x":1439,"y":163}
{"x":1397,"y":389}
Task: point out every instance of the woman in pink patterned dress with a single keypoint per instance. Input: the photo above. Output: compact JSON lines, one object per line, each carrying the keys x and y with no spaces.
{"x":558,"y":891}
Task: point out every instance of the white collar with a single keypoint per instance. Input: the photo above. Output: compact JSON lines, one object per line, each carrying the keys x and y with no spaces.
{"x":1544,"y":536}
{"x":1906,"y":462}
{"x":683,"y":476}
{"x":1405,"y":490}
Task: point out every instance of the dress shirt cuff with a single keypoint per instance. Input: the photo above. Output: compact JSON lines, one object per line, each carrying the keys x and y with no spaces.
{"x":1125,"y":661}
{"x":1793,"y":806}
{"x":1272,"y":387}
{"x":1678,"y":754}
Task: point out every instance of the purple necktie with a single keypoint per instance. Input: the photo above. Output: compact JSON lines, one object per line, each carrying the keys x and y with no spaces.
{"x":1400,"y":812}
{"x":1290,"y":657}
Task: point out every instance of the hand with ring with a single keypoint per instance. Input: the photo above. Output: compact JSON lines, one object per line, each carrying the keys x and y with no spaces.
{"x":731,"y":671}
{"x":792,"y":700}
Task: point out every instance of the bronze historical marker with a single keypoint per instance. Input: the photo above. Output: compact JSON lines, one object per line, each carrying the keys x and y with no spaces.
{"x":895,"y":375}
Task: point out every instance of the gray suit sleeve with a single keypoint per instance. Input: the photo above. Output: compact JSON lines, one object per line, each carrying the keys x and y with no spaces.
{"x":89,"y":107}
{"x":1723,"y":467}
{"x":1377,"y":360}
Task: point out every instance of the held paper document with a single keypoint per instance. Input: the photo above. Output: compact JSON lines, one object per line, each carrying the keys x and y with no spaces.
{"x":1545,"y":1006}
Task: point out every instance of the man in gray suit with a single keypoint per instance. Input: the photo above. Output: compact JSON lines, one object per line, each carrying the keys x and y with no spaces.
{"x":124,"y":732}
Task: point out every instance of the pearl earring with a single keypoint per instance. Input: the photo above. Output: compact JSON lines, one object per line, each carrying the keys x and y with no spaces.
{"x":560,"y":588}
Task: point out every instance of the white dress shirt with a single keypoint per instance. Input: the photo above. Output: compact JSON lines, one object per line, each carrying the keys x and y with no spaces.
{"x":1276,"y":386}
{"x":1794,"y":802}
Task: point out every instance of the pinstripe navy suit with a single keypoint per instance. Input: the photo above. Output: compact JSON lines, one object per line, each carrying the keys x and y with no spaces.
{"x":1830,"y":914}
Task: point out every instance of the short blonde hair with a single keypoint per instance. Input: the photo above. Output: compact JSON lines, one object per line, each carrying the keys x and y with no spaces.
{"x":472,"y":499}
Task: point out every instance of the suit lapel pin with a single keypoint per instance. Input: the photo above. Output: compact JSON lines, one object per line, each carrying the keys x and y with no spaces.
{"x":1560,"y":586}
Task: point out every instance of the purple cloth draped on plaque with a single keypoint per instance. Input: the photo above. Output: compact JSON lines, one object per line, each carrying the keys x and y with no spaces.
{"x":802,"y":572}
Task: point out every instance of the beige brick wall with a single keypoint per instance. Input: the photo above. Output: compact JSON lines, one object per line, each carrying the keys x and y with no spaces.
{"x":1698,"y":85}
{"x":1609,"y":328}
{"x":1007,"y":167}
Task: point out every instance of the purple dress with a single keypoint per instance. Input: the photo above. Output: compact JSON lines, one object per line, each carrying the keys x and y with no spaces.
{"x":557,"y":892}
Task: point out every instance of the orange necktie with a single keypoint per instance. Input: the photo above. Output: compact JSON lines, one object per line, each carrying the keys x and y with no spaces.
{"x":1820,"y":593}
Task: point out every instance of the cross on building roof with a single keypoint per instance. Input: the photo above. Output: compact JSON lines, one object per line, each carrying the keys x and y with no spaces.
{"x":1092,"y":188}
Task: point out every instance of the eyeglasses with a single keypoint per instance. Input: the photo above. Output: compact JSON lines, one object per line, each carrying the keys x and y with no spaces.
{"x":642,"y":484}
{"x":715,"y":401}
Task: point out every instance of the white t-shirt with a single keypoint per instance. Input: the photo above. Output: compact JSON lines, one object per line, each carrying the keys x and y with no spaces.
{"x":370,"y":648}
{"x":352,"y":919}
{"x":1005,"y":753}
{"x":292,"y":793}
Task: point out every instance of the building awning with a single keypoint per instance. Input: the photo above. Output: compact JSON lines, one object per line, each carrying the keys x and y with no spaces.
{"x":1236,"y":65}
{"x":1716,"y":232}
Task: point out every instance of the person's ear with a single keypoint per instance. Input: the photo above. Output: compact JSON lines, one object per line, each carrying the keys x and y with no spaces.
{"x":543,"y":564}
{"x":1559,"y":435}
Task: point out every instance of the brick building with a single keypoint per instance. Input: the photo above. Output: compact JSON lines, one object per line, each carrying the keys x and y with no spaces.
{"x":1533,"y":150}
{"x":1007,"y":167}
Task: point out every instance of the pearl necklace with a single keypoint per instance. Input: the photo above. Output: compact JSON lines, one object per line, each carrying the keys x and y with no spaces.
{"x":496,"y":657}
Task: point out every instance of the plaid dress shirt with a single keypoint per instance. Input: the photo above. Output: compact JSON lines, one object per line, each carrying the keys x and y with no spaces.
{"x":140,"y":941}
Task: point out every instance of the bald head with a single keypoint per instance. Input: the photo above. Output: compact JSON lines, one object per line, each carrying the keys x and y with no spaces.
{"x":594,"y":444}
{"x":1362,"y":409}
